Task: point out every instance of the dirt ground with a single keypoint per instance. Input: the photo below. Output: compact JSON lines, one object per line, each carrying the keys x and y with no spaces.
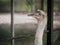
{"x":24,"y":25}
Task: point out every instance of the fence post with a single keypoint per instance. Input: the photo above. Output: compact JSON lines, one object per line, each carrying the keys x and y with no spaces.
{"x":49,"y":21}
{"x":12,"y":22}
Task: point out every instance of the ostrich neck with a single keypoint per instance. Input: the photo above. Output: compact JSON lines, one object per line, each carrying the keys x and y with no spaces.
{"x":42,"y":25}
{"x":39,"y":32}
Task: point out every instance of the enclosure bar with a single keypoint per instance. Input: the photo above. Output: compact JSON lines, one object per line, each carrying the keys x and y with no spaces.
{"x":12,"y":22}
{"x":49,"y":20}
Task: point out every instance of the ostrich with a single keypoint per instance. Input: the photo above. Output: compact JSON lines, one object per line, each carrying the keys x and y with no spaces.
{"x":42,"y":22}
{"x":41,"y":17}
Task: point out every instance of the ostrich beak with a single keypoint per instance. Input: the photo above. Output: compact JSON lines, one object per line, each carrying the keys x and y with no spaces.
{"x":37,"y":17}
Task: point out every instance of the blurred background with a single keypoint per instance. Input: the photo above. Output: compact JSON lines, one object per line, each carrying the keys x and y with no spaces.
{"x":25,"y":26}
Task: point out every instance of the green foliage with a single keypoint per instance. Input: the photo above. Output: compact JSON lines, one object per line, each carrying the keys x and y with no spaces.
{"x":30,"y":2}
{"x":4,"y":5}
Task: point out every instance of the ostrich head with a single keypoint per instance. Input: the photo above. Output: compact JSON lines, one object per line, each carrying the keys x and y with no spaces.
{"x":39,"y":16}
